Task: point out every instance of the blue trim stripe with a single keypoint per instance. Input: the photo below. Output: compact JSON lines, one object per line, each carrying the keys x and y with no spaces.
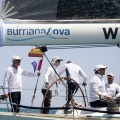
{"x":19,"y":40}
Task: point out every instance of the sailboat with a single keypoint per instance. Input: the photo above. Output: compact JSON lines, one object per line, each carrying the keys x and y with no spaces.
{"x":82,"y":23}
{"x":59,"y":22}
{"x":80,"y":111}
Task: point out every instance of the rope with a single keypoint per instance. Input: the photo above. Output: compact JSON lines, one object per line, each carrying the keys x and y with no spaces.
{"x":51,"y":108}
{"x":63,"y":108}
{"x":86,"y":95}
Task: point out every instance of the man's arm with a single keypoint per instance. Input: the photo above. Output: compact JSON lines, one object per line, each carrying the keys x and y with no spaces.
{"x":29,"y":74}
{"x":5,"y":83}
{"x":82,"y":74}
{"x":118,"y":91}
{"x":103,"y":94}
{"x":47,"y":75}
{"x":62,"y":70}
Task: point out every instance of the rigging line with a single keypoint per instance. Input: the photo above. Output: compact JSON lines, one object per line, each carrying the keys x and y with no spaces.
{"x":9,"y":10}
{"x":11,"y":14}
{"x":2,"y":6}
{"x":35,"y":13}
{"x":25,"y":4}
{"x":52,"y":101}
{"x":70,"y":48}
{"x":84,"y":46}
{"x":86,"y":95}
{"x":67,"y":47}
{"x":6,"y":100}
{"x":6,"y":7}
{"x":59,"y":95}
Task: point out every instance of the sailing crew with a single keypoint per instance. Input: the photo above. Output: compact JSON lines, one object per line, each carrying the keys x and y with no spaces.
{"x":50,"y":77}
{"x":112,"y":88}
{"x":73,"y":72}
{"x":98,"y":93}
{"x":12,"y":83}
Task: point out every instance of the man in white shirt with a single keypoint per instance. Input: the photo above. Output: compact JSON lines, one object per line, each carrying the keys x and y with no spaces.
{"x":112,"y":88}
{"x":12,"y":83}
{"x":97,"y":88}
{"x":50,"y":77}
{"x":73,"y":71}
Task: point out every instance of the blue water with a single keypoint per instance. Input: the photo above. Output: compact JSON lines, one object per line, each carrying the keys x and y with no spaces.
{"x":27,"y":110}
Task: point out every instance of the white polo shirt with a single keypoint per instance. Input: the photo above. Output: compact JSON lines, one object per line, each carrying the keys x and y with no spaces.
{"x":50,"y":76}
{"x":112,"y":89}
{"x":75,"y":72}
{"x":13,"y":79}
{"x":97,"y":86}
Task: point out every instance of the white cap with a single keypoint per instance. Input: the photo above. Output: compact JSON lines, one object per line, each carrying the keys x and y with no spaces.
{"x":54,"y":59}
{"x":15,"y":57}
{"x":111,"y":74}
{"x":99,"y":66}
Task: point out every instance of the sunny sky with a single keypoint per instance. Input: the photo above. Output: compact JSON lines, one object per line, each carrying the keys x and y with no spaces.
{"x":87,"y":58}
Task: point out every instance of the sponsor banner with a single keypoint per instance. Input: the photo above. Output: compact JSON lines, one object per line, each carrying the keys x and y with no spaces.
{"x":60,"y":34}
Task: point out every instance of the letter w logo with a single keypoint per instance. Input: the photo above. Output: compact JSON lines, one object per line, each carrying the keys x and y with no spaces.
{"x":110,"y":31}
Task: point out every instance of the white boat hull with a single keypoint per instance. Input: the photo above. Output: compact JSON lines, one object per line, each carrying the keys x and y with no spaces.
{"x":78,"y":115}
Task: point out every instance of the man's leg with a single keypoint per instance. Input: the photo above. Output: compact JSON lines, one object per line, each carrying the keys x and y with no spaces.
{"x":71,"y":88}
{"x":15,"y":98}
{"x":47,"y":101}
{"x":18,"y":102}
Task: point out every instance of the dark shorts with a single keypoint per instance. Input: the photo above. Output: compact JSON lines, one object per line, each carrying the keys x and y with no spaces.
{"x":47,"y":100}
{"x":72,"y":88}
{"x":15,"y":98}
{"x":99,"y":103}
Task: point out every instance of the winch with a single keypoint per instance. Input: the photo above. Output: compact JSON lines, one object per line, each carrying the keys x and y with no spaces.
{"x":113,"y":105}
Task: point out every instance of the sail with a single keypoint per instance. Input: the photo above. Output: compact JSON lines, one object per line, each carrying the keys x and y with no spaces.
{"x":60,"y":9}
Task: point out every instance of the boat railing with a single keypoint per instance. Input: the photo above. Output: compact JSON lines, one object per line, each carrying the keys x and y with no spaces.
{"x":5,"y":101}
{"x":55,"y":94}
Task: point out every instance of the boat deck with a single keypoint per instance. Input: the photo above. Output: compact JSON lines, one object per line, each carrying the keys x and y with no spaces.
{"x":60,"y":115}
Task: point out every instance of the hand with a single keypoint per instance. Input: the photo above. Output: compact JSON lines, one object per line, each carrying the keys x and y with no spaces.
{"x":58,"y":82}
{"x":67,"y":78}
{"x":56,"y":92}
{"x":2,"y":97}
{"x":5,"y":96}
{"x":47,"y":85}
{"x":38,"y":74}
{"x":84,"y":84}
{"x":108,"y":97}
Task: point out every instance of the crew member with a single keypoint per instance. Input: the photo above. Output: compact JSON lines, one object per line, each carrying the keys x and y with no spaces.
{"x":12,"y":83}
{"x":73,"y":72}
{"x":112,"y":88}
{"x":50,"y":77}
{"x":97,"y":88}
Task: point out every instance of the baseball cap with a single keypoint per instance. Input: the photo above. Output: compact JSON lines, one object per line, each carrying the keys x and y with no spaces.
{"x":99,"y":66}
{"x":55,"y":58}
{"x":111,"y":74}
{"x":15,"y":57}
{"x":69,"y":61}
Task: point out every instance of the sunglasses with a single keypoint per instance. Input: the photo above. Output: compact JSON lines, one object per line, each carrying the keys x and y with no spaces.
{"x":58,"y":60}
{"x":18,"y":60}
{"x":102,"y":69}
{"x":109,"y":75}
